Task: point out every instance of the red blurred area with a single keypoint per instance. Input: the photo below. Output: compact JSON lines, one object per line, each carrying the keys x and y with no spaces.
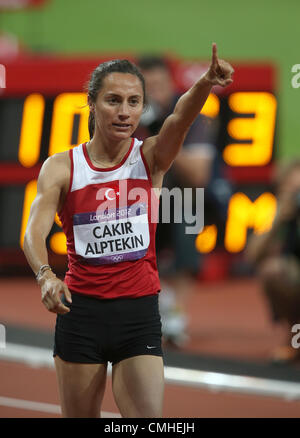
{"x":20,"y":4}
{"x":51,"y":75}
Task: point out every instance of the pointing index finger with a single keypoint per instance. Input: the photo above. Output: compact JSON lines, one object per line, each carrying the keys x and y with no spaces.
{"x":214,"y":54}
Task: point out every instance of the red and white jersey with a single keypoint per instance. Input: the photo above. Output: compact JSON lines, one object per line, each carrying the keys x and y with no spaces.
{"x":109,"y":217}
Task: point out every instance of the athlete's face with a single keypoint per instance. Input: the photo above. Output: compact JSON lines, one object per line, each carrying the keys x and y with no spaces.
{"x":119,"y":106}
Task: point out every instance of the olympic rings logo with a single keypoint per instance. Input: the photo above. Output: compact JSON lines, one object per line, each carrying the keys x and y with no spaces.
{"x":117,"y":258}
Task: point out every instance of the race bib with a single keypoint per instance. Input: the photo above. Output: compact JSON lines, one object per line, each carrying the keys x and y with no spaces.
{"x":112,"y":236}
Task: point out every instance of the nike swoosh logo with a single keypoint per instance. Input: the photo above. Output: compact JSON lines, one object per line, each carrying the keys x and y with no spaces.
{"x":133,"y":162}
{"x":149,"y":347}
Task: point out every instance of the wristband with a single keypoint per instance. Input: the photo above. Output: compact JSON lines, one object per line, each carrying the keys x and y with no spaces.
{"x":42,"y":269}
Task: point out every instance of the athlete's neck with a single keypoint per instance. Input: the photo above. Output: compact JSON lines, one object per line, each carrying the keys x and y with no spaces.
{"x":106,"y":152}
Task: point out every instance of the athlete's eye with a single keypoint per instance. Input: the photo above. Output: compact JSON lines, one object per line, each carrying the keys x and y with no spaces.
{"x":113,"y":100}
{"x":134,"y":101}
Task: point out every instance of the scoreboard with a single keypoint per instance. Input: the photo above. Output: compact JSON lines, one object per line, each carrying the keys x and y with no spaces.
{"x":43,"y":110}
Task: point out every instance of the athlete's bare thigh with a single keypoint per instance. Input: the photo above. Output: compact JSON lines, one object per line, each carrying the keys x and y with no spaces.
{"x":138,"y":386}
{"x":81,"y":388}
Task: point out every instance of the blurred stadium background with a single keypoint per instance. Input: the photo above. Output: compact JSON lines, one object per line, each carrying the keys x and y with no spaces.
{"x":48,"y":47}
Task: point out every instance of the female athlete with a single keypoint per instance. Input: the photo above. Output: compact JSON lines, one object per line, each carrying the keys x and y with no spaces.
{"x":107,"y":305}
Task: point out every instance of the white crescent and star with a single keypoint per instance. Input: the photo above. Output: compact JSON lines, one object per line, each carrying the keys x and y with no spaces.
{"x":109,"y":197}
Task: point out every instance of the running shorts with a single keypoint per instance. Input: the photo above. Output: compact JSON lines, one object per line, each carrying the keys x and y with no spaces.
{"x":100,"y":331}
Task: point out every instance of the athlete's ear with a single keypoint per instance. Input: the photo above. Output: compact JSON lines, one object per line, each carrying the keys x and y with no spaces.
{"x":91,"y":105}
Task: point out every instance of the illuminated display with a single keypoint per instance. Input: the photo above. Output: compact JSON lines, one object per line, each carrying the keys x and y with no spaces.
{"x":211,"y":107}
{"x":37,"y":124}
{"x":31,"y":130}
{"x":258,"y":130}
{"x":206,"y":240}
{"x":244,"y":214}
{"x":30,"y":194}
{"x":66,"y":106}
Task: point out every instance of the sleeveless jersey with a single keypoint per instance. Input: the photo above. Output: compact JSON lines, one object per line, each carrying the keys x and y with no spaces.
{"x":109,"y":218}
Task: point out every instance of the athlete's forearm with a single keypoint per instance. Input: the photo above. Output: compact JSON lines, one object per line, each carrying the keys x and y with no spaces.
{"x":176,"y":126}
{"x":35,"y":250}
{"x":190,"y":104}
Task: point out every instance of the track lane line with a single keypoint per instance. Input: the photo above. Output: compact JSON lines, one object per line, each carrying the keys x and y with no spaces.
{"x":42,"y":407}
{"x":213,"y":381}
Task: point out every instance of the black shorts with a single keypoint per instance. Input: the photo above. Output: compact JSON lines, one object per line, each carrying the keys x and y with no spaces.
{"x":97,"y":330}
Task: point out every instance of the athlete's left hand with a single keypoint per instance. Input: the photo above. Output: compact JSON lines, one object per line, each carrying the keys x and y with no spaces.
{"x":220,"y":72}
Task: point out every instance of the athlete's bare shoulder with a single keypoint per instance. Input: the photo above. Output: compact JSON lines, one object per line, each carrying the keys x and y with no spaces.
{"x":55,"y":171}
{"x":55,"y":175}
{"x":61,"y":159}
{"x":57,"y":167}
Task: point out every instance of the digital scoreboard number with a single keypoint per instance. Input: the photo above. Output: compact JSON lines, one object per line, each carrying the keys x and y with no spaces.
{"x":249,"y":134}
{"x":43,"y":110}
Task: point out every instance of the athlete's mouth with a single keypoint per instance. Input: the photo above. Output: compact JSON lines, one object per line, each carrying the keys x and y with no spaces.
{"x":122,"y":125}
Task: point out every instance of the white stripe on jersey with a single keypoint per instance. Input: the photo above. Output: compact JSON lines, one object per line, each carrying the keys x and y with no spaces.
{"x":84,"y":175}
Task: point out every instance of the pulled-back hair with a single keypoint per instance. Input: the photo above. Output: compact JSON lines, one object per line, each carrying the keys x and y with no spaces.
{"x":96,"y":81}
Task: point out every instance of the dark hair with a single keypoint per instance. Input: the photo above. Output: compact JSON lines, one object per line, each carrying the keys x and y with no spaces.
{"x":103,"y":70}
{"x":149,"y":62}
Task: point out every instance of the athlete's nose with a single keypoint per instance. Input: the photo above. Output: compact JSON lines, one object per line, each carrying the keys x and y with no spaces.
{"x":124,"y":111}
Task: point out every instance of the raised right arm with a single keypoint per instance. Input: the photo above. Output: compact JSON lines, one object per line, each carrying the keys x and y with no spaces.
{"x":51,"y":187}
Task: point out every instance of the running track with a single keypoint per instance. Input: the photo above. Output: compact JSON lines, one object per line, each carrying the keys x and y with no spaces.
{"x":237,"y":308}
